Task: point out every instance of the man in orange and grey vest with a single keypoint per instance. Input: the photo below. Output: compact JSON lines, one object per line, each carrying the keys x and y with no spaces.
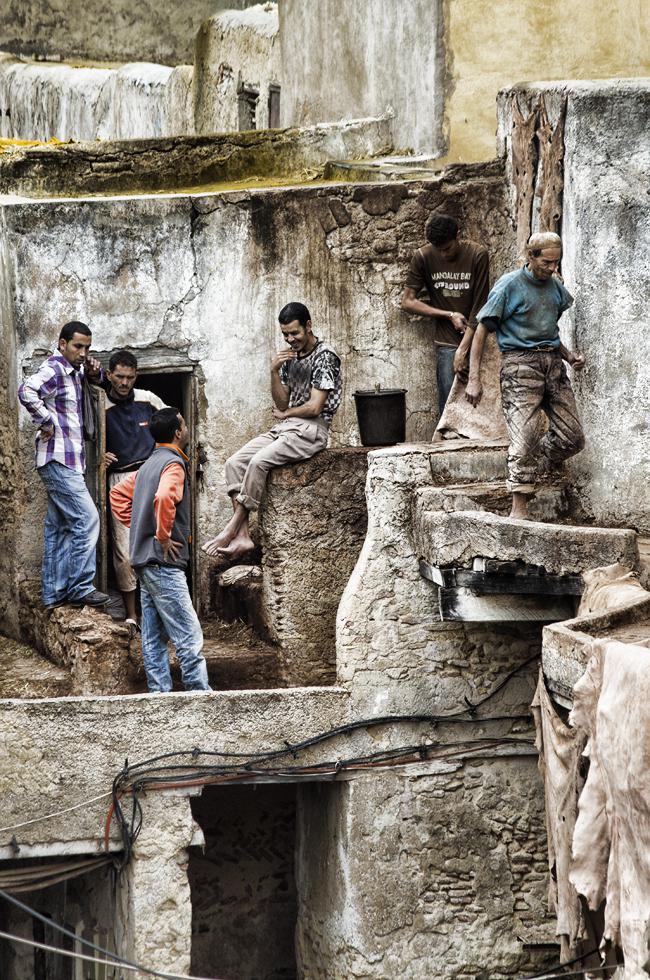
{"x":154,"y":503}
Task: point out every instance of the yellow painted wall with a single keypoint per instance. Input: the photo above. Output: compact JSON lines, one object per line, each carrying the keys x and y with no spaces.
{"x":495,"y":43}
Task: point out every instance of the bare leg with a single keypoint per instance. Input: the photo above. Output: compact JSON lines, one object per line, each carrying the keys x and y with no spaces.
{"x":230,"y":531}
{"x":242,"y":544}
{"x":130,"y":605}
{"x":520,"y":506}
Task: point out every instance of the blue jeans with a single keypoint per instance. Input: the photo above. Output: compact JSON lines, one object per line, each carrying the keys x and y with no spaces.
{"x":444,"y":373}
{"x":71,"y":533}
{"x":168,"y":614}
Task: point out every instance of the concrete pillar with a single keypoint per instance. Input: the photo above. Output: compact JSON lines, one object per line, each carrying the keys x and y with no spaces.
{"x":154,"y":903}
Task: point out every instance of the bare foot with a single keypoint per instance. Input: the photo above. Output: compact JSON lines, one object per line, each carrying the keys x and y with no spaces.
{"x":238,"y":547}
{"x":213,"y":546}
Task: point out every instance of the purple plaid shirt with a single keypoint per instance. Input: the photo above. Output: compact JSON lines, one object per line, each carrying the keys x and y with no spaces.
{"x":54,"y":396}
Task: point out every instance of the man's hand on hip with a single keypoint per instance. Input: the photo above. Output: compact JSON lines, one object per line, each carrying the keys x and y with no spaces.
{"x":171,"y":549}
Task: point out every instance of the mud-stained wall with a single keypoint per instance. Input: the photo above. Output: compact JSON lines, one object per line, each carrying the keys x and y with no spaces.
{"x":243,"y":883}
{"x":342,"y":60}
{"x":606,"y":233}
{"x":119,"y":31}
{"x":202,"y":279}
{"x":471,"y":869}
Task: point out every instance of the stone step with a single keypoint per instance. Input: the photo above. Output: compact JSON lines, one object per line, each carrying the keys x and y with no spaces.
{"x":25,"y":673}
{"x":237,"y":659}
{"x":551,"y":502}
{"x":457,"y":538}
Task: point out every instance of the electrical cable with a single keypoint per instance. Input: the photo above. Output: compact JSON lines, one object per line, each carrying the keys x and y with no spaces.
{"x":123,"y":965}
{"x":116,"y":959}
{"x":545,"y":974}
{"x":57,"y":813}
{"x":587,"y":971}
{"x":34,"y":878}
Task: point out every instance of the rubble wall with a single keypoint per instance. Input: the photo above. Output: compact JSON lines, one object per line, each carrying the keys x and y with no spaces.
{"x":606,"y":232}
{"x":123,"y":31}
{"x":424,"y":875}
{"x":199,"y":281}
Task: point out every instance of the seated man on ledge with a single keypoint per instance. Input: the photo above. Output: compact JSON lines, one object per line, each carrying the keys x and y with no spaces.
{"x":523,"y":308}
{"x":306,"y":391}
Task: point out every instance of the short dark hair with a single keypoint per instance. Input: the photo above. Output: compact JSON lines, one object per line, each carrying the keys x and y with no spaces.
{"x":164,"y":423}
{"x":294,"y":311}
{"x":68,"y":330}
{"x":440,"y":228}
{"x":123,"y":357}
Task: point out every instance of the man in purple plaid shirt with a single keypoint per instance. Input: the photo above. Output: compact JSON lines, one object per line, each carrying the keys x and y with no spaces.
{"x":54,"y":399}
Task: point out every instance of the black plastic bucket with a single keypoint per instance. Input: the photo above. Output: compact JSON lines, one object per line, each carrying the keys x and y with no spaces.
{"x":381,"y":416}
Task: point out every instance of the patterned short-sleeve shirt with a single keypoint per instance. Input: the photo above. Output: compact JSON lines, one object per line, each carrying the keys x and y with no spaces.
{"x":320,"y":369}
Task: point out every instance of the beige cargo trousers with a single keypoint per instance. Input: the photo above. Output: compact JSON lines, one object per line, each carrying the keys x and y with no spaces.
{"x":287,"y":442}
{"x":535,"y":383}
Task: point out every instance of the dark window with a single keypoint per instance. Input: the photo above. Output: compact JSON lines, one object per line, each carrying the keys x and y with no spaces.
{"x":248,"y":99}
{"x":274,"y":106}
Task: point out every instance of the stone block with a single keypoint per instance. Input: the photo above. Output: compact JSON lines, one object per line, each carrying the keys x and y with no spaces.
{"x":457,"y":538}
{"x":312,"y":524}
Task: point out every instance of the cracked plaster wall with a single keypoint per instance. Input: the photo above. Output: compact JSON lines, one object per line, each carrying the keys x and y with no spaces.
{"x":206,"y":276}
{"x":366,"y":58}
{"x":606,"y":233}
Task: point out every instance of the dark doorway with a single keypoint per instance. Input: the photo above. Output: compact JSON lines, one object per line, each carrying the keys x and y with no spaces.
{"x":244,"y":904}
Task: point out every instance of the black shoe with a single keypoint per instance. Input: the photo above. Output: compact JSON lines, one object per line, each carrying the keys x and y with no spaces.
{"x":94,"y":598}
{"x":56,"y":605}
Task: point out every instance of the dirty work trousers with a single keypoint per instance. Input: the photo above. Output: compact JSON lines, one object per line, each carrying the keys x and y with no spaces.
{"x":126,"y":577}
{"x":532,"y":383}
{"x":287,"y":442}
{"x":445,"y":373}
{"x":168,"y":614}
{"x":70,"y":535}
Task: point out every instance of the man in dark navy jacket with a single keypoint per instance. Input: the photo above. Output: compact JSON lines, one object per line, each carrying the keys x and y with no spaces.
{"x":128,"y":444}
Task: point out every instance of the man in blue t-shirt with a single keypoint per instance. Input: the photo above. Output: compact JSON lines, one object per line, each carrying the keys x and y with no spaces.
{"x":523,"y":309}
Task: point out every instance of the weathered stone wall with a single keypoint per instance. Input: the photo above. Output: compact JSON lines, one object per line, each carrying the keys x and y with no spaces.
{"x":96,"y":31}
{"x":235,"y":50}
{"x":243,"y":883}
{"x":201,"y":280}
{"x":430,"y":62}
{"x":312,"y":523}
{"x":143,"y":100}
{"x":606,"y":232}
{"x":344,"y":60}
{"x":471,"y":870}
{"x":10,"y":492}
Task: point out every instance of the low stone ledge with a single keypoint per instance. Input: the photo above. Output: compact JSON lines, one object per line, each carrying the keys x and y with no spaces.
{"x":61,"y":752}
{"x":175,"y":162}
{"x":457,"y":538}
{"x":567,"y":646}
{"x":95,"y":650}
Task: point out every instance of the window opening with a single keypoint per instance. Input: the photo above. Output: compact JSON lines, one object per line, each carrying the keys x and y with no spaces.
{"x":274,"y":107}
{"x":248,"y":98}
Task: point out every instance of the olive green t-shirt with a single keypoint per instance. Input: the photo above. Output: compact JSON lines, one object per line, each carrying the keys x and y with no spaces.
{"x":460,"y":286}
